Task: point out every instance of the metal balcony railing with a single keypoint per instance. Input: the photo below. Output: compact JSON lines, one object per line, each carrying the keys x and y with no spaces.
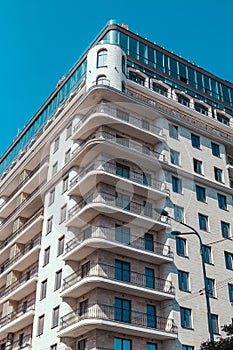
{"x":134,"y":176}
{"x":130,"y":277}
{"x":110,"y":313}
{"x":109,"y":234}
{"x":25,"y":307}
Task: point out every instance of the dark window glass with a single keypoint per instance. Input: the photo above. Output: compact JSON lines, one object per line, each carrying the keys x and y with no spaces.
{"x":173,"y":131}
{"x":149,"y":242}
{"x":210,"y":287}
{"x":185,"y":315}
{"x":230,"y":291}
{"x":215,"y":149}
{"x":197,"y":166}
{"x":183,"y":277}
{"x":150,"y":277}
{"x":183,"y":100}
{"x":151,"y":346}
{"x":214,"y":320}
{"x":83,"y":307}
{"x":200,"y":193}
{"x":199,"y":107}
{"x":229,"y":260}
{"x":122,"y":271}
{"x":122,"y":234}
{"x":174,"y":157}
{"x":195,"y":140}
{"x":136,"y":78}
{"x":122,"y":170}
{"x":222,"y":201}
{"x":206,"y":253}
{"x":173,"y":68}
{"x":151,"y":316}
{"x":187,"y":347}
{"x":218,"y":174}
{"x":82,"y":344}
{"x":181,"y":246}
{"x":225,"y":228}
{"x":176,"y":184}
{"x":223,"y":119}
{"x":122,"y":344}
{"x":160,"y":89}
{"x":85,"y":269}
{"x":203,"y":222}
{"x":122,"y":310}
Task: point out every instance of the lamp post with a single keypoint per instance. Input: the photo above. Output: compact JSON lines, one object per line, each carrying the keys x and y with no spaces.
{"x":194,"y":232}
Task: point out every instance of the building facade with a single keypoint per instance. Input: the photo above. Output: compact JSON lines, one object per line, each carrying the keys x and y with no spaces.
{"x":89,"y":260}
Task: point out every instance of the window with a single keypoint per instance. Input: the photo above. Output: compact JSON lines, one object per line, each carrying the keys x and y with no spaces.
{"x":102,"y":80}
{"x":149,"y":242}
{"x":102,"y":56}
{"x":150,"y":277}
{"x":122,"y":170}
{"x":173,"y":131}
{"x":55,"y":317}
{"x":210,"y":287}
{"x":40,"y":325}
{"x":83,"y":307}
{"x":225,"y":228}
{"x":54,"y":347}
{"x":63,"y":213}
{"x":203,"y":222}
{"x":136,"y":78}
{"x":145,"y":124}
{"x":60,"y":246}
{"x":160,"y":89}
{"x":197,"y":166}
{"x":215,"y":149}
{"x":54,"y":169}
{"x":122,"y":115}
{"x":21,"y":339}
{"x":49,"y":225}
{"x":181,"y":246}
{"x":85,"y":269}
{"x":43,"y":290}
{"x":151,"y":346}
{"x":222,"y":201}
{"x":123,"y":64}
{"x":65,"y":184}
{"x":122,"y":234}
{"x":175,"y":157}
{"x":200,"y":194}
{"x":183,"y":280}
{"x":151,"y":315}
{"x":69,"y":131}
{"x":67,"y":155}
{"x":214,"y":320}
{"x":51,"y":196}
{"x":122,"y":344}
{"x":178,"y":213}
{"x":206,"y":254}
{"x":122,"y":310}
{"x":46,"y":256}
{"x":58,"y":278}
{"x":147,"y":208}
{"x":82,"y":344}
{"x":56,"y":144}
{"x":122,"y":140}
{"x":122,"y":271}
{"x":176,"y":184}
{"x":218,"y":174}
{"x":200,"y":108}
{"x":222,"y":119}
{"x":230,"y":291}
{"x":195,"y":140}
{"x":147,"y":179}
{"x":187,"y":347}
{"x":185,"y":316}
{"x":183,"y":99}
{"x":229,"y":260}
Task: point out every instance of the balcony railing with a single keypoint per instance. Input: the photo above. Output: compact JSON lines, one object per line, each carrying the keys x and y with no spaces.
{"x":26,"y":277}
{"x":111,"y":273}
{"x":21,"y":228}
{"x":21,"y":343}
{"x":123,"y":116}
{"x":8,"y":263}
{"x":109,"y":234}
{"x":25,"y":307}
{"x":111,"y":168}
{"x":109,"y":313}
{"x":108,"y":136}
{"x":113,"y":201}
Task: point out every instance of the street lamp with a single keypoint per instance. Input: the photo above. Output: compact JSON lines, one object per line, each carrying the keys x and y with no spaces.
{"x":163,"y":212}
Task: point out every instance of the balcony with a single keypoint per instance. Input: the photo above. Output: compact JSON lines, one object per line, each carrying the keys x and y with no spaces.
{"x":124,"y":147}
{"x":105,"y":114}
{"x":230,"y":164}
{"x":106,"y":317}
{"x":22,"y":343}
{"x":106,"y":276}
{"x":20,"y":288}
{"x":18,"y":319}
{"x":115,"y":207}
{"x":97,"y":237}
{"x":109,"y":173}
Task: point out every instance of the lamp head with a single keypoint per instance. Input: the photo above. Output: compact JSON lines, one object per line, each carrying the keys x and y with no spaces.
{"x":162,"y":211}
{"x":176,"y":233}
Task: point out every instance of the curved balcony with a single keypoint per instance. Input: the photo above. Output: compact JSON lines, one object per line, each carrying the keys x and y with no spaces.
{"x":126,"y":210}
{"x":109,"y":277}
{"x":109,"y":173}
{"x":126,"y":148}
{"x":107,"y":317}
{"x":18,"y":319}
{"x":97,"y":237}
{"x":105,"y":114}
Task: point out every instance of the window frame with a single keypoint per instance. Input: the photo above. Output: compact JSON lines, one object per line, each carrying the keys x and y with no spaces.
{"x":102,"y":58}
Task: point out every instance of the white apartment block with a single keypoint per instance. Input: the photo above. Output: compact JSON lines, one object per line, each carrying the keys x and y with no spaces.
{"x":88,"y":255}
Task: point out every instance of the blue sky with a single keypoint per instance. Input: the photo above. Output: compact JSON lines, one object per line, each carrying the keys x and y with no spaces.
{"x":41,"y":41}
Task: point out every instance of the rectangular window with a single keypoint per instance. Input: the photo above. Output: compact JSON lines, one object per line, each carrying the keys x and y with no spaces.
{"x":215,"y":149}
{"x":67,"y":155}
{"x":63,"y":213}
{"x":122,"y":234}
{"x":122,"y":271}
{"x":222,"y":201}
{"x":54,"y":347}
{"x":102,"y":58}
{"x":185,"y":316}
{"x":46,"y":256}
{"x":206,"y":253}
{"x":200,"y":194}
{"x":178,"y":213}
{"x":85,"y":269}
{"x":210,"y":287}
{"x":176,"y":184}
{"x":68,"y":130}
{"x":229,"y":260}
{"x":55,"y":317}
{"x":60,"y":246}
{"x":123,"y":201}
{"x":214,"y":320}
{"x":122,"y":115}
{"x":122,"y":170}
{"x":55,"y":168}
{"x":122,"y":310}
{"x":147,"y":208}
{"x":122,"y":344}
{"x":199,"y":107}
{"x":65,"y":184}
{"x":225,"y":228}
{"x":195,"y":140}
{"x":83,"y":307}
{"x":183,"y":280}
{"x":197,"y":166}
{"x":203,"y":222}
{"x":187,"y":347}
{"x":147,"y":179}
{"x":150,"y":277}
{"x":151,"y":316}
{"x":230,"y":291}
{"x":174,"y":157}
{"x":49,"y":225}
{"x":151,"y":346}
{"x":58,"y":279}
{"x":149,"y":242}
{"x":82,"y":344}
{"x":181,"y":246}
{"x":56,"y":144}
{"x":43,"y":290}
{"x":51,"y":196}
{"x":218,"y":174}
{"x":173,"y":131}
{"x":22,"y":339}
{"x":40,"y":325}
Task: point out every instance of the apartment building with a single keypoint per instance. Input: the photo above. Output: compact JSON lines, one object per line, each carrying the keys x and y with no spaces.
{"x":133,"y":141}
